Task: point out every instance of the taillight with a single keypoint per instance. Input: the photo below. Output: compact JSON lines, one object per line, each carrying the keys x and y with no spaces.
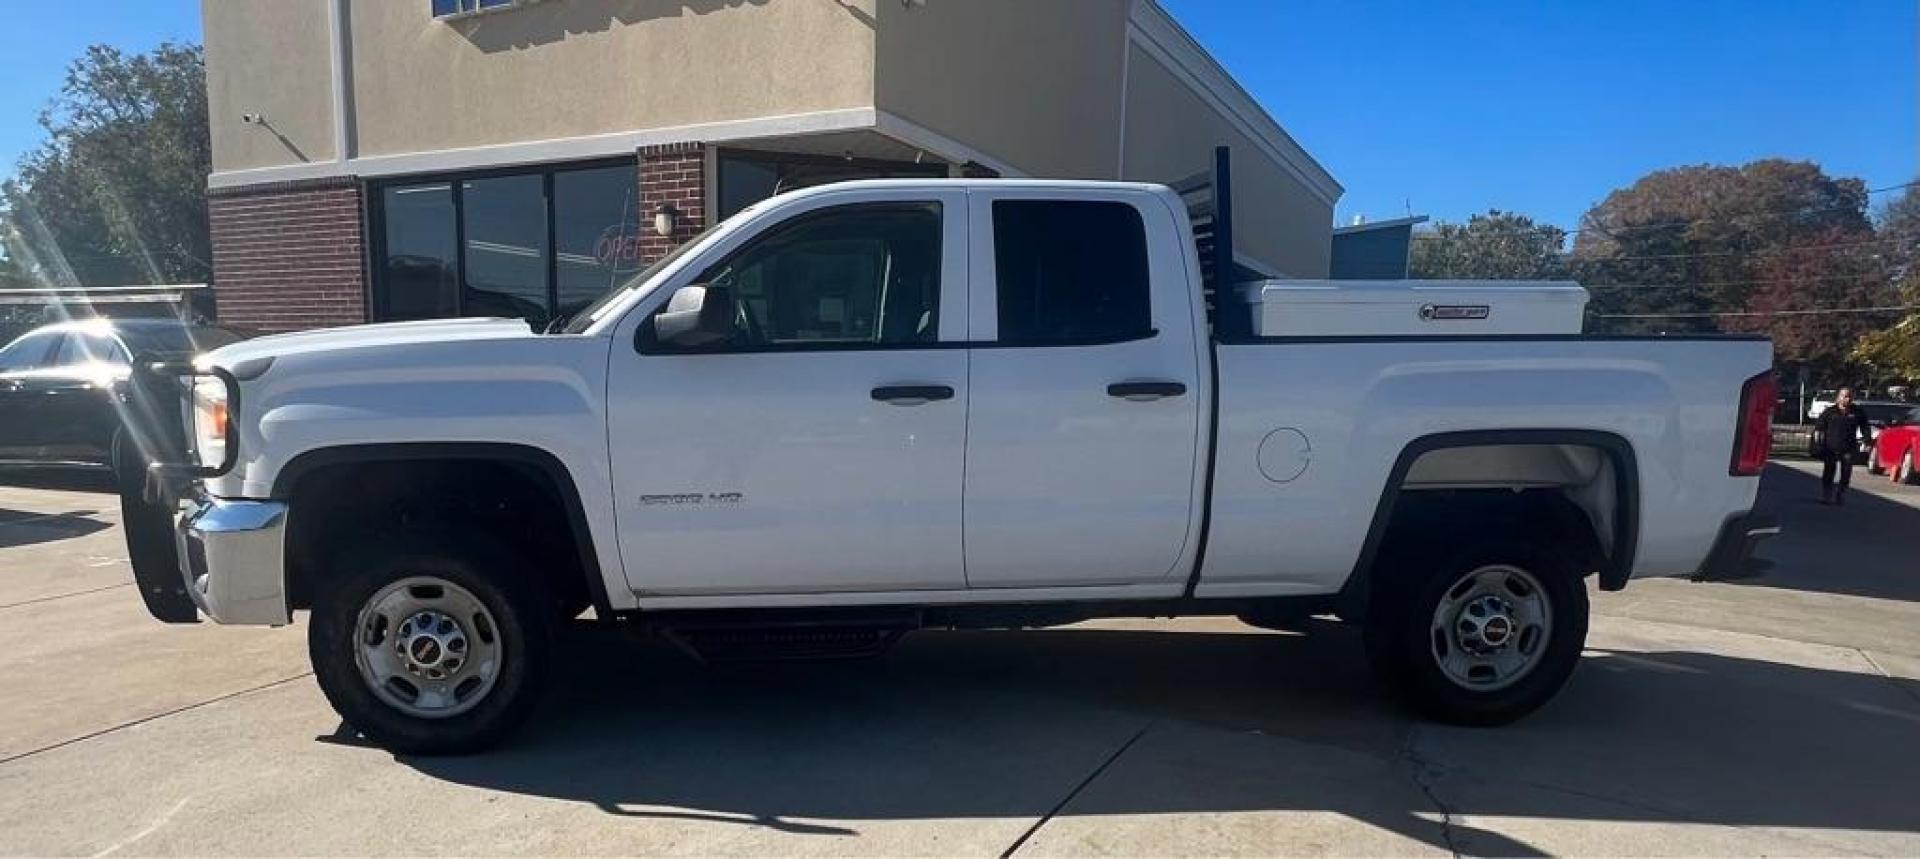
{"x":1753,"y":437}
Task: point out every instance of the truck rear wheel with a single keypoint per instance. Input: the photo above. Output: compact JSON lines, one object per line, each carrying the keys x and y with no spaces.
{"x":431,"y":652}
{"x":1483,"y":639}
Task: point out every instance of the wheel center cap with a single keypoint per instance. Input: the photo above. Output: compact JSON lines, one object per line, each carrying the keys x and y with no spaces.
{"x":1496,"y":630}
{"x":433,"y":645}
{"x":426,"y":651}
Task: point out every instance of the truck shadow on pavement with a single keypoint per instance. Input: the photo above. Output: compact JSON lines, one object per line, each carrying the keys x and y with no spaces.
{"x":1075,"y":724}
{"x":24,"y":528}
{"x":1870,"y":547}
{"x":69,"y":479}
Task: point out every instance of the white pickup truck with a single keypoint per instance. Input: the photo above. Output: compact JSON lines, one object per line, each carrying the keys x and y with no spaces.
{"x":873,"y":407}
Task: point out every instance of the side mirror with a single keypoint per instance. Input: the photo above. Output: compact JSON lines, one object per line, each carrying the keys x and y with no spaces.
{"x":697,"y":315}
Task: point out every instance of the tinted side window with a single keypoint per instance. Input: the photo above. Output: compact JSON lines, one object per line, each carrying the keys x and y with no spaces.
{"x":29,"y":351}
{"x":1070,"y":272}
{"x":862,"y":274}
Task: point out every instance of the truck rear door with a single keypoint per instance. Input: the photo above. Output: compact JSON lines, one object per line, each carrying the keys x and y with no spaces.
{"x":1084,"y":424}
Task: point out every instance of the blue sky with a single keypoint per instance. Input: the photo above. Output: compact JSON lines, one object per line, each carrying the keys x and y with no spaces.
{"x":40,"y":39}
{"x":1545,"y":107}
{"x":1453,"y":108}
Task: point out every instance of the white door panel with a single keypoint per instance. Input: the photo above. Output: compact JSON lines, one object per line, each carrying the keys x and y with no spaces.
{"x":1066,"y":483}
{"x":771,"y":464}
{"x":801,"y":482}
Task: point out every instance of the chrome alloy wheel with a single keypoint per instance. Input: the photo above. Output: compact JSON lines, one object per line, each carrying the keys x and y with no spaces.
{"x":1491,"y":628}
{"x":1905,"y":472}
{"x":427,"y":647}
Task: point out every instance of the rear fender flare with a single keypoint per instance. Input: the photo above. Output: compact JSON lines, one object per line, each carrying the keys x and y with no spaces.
{"x":1356,"y":595}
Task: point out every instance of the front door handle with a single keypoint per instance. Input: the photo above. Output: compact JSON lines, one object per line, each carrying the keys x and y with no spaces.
{"x":912,"y":395}
{"x":1143,"y":392}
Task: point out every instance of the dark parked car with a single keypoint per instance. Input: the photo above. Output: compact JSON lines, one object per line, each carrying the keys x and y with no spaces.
{"x":64,"y":392}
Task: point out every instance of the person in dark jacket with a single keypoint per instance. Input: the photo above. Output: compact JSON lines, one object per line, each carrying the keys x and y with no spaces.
{"x":1837,"y":435}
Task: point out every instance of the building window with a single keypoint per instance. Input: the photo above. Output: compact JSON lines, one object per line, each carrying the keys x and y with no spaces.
{"x":448,"y":8}
{"x":531,"y":244}
{"x":747,"y":177}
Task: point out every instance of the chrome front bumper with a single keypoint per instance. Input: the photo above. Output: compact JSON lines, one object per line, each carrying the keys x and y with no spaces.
{"x":233,"y":555}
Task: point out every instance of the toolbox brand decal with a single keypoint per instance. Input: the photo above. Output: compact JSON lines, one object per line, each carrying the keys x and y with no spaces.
{"x":682,"y":499}
{"x":1432,"y":312}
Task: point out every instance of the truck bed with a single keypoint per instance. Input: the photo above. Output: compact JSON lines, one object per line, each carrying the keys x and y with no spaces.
{"x":1311,"y":429}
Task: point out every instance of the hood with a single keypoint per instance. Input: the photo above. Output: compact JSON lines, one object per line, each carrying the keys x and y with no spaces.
{"x":370,"y":336}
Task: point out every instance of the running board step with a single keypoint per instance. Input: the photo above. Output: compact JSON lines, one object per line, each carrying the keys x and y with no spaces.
{"x":786,"y":642}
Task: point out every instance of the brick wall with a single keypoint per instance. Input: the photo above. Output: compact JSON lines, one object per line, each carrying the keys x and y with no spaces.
{"x":289,"y":255}
{"x":673,"y":174}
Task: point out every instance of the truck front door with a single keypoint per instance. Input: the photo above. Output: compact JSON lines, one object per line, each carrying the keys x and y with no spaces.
{"x":819,"y":448}
{"x":1084,"y":430}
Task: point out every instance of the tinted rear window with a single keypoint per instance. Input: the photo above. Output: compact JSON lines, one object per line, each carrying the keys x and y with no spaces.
{"x":1070,"y":272}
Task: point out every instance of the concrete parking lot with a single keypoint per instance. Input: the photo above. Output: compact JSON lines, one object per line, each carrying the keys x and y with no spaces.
{"x":1776,"y":715}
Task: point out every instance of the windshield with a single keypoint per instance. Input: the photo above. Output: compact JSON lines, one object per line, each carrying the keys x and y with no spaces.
{"x":1880,"y":413}
{"x":177,"y":339}
{"x":586,"y":316}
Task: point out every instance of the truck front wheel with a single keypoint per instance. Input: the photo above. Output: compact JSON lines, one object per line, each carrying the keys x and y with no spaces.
{"x":431,"y":652}
{"x":1483,"y":639}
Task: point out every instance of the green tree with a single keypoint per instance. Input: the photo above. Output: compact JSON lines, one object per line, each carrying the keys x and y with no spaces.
{"x":117,"y":194}
{"x":1894,"y":350}
{"x":1494,"y":246}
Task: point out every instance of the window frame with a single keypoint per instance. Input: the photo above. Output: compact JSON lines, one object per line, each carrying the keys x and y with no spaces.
{"x":480,"y":7}
{"x":376,"y":219}
{"x":646,"y":344}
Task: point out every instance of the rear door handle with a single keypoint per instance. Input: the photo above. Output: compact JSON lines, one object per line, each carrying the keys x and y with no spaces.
{"x":912,"y":395}
{"x":1142,"y":392}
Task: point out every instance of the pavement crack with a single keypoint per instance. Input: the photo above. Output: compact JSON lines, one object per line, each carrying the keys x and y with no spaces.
{"x":1422,"y":772}
{"x":1898,"y":682}
{"x":38,"y":600}
{"x":155,"y":717}
{"x":1077,"y":789}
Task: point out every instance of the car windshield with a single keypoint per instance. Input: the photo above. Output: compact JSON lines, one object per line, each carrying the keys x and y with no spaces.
{"x":177,"y":339}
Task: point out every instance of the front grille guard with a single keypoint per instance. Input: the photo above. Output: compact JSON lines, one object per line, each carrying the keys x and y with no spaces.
{"x":173,"y":463}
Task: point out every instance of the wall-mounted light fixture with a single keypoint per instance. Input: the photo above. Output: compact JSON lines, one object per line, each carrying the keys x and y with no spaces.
{"x":664,"y":219}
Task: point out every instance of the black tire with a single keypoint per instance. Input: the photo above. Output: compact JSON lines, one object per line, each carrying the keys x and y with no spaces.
{"x":1400,"y":625}
{"x":1909,"y":473}
{"x":523,"y":618}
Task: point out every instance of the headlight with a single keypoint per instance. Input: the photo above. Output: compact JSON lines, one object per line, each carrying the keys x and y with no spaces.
{"x":212,"y":422}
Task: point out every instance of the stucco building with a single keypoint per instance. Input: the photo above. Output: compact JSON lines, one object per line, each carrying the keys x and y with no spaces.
{"x":395,"y":159}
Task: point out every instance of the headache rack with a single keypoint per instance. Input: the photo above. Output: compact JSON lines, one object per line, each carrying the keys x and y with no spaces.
{"x":1209,"y":198}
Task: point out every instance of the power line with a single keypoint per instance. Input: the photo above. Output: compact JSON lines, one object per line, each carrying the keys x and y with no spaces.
{"x":1721,"y":283}
{"x":1759,"y":252}
{"x":1819,"y":311}
{"x":1611,"y":231}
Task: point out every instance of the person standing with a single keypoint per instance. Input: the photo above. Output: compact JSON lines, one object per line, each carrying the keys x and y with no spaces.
{"x":1837,"y":435}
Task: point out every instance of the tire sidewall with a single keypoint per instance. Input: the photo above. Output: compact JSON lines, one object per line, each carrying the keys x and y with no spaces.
{"x":1400,"y":645}
{"x":520,"y":618}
